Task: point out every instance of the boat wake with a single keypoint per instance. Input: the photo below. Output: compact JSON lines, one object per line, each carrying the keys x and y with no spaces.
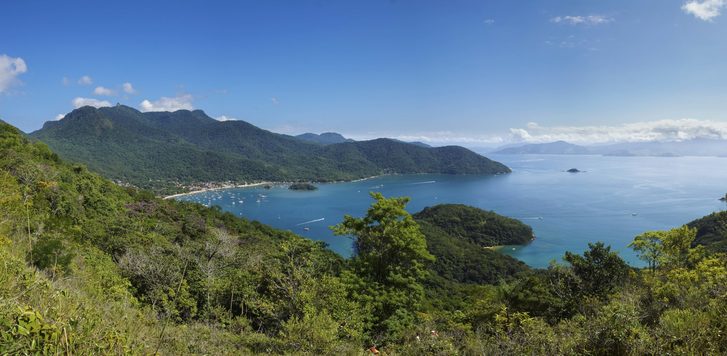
{"x":427,"y":182}
{"x":310,"y":222}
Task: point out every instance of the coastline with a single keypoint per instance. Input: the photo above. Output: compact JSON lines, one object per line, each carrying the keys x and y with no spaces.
{"x":250,"y":185}
{"x":227,"y":186}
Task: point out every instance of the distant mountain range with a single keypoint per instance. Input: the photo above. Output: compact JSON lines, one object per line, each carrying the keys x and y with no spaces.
{"x":701,"y":147}
{"x":163,"y":150}
{"x":558,"y":147}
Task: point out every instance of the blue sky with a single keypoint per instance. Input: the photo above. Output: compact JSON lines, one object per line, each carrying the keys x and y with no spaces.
{"x":477,"y":73}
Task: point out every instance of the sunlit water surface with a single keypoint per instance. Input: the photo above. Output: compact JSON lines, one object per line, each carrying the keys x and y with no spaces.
{"x":613,"y":200}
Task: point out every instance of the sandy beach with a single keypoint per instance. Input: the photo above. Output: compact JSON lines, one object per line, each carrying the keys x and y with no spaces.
{"x":227,"y":186}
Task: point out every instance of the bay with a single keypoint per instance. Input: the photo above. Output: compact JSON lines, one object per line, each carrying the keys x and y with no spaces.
{"x":612,"y":200}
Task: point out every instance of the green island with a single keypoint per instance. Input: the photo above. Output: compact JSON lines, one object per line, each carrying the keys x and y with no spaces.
{"x":90,"y":267}
{"x":302,"y":186}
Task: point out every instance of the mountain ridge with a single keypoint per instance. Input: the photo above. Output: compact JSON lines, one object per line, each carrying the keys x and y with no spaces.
{"x":166,"y":151}
{"x":325,"y":138}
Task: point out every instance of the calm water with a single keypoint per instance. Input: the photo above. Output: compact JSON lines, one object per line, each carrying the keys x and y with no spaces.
{"x":615,"y":199}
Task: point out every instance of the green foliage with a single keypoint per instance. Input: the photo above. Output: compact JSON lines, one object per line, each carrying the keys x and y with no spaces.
{"x":480,"y":227}
{"x":389,"y":265}
{"x":600,"y":270}
{"x":458,"y":236}
{"x":302,"y":186}
{"x":50,"y":253}
{"x":162,"y":150}
{"x":711,"y":231}
{"x":134,"y":265}
{"x":87,"y":267}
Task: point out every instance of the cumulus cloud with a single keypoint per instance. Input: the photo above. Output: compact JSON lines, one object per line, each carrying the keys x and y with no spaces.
{"x":648,"y":131}
{"x":128,"y":88}
{"x":10,"y":69}
{"x":80,"y":102}
{"x":226,"y":118}
{"x":60,"y":117}
{"x":85,"y":80}
{"x":704,"y":10}
{"x":582,"y":20}
{"x":103,"y":91}
{"x":180,"y":102}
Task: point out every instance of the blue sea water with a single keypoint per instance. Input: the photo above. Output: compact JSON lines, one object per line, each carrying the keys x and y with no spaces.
{"x":613,"y":200}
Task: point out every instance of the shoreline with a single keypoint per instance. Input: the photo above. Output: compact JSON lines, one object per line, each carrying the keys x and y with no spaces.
{"x":229,"y":186}
{"x":250,"y":185}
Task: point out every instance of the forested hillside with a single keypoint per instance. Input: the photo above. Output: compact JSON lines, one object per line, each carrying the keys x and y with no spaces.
{"x":89,"y":267}
{"x":165,"y":151}
{"x":712,"y":231}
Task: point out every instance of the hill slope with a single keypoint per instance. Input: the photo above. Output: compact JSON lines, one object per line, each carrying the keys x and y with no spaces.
{"x":163,"y":150}
{"x":110,"y":268}
{"x":712,"y":231}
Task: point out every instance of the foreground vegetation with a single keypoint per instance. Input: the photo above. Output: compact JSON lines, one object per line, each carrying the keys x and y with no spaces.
{"x":88,"y":267}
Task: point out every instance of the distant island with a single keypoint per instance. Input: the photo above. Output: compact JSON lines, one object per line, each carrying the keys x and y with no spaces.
{"x":574,"y":170}
{"x":558,"y":147}
{"x":697,"y":147}
{"x":302,"y":186}
{"x":724,"y":198}
{"x":168,"y":152}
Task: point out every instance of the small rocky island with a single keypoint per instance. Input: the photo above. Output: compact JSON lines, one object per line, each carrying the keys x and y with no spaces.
{"x":724,"y":198}
{"x":302,"y":186}
{"x":574,"y":170}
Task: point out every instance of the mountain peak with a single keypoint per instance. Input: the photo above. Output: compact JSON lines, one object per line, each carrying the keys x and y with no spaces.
{"x":326,"y":138}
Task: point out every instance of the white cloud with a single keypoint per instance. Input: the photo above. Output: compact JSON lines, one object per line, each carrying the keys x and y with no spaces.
{"x":85,"y":80}
{"x":59,"y":117}
{"x":489,"y":21}
{"x":274,"y":100}
{"x":704,"y":10}
{"x":582,"y":20}
{"x":180,"y":102}
{"x":128,"y":88}
{"x":226,"y":118}
{"x":10,"y":69}
{"x":103,"y":91}
{"x":80,"y":102}
{"x":647,"y":131}
{"x":66,"y":81}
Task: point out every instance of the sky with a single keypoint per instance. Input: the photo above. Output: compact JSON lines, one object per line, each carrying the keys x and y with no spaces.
{"x":476,"y":73}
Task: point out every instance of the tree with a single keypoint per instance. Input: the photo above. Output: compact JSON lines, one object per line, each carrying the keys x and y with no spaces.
{"x":389,"y":265}
{"x":648,"y":247}
{"x":599,"y":269}
{"x":668,"y":249}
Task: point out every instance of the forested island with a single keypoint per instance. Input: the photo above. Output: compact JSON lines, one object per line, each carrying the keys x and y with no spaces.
{"x":302,"y":186}
{"x":89,"y":267}
{"x":173,"y":152}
